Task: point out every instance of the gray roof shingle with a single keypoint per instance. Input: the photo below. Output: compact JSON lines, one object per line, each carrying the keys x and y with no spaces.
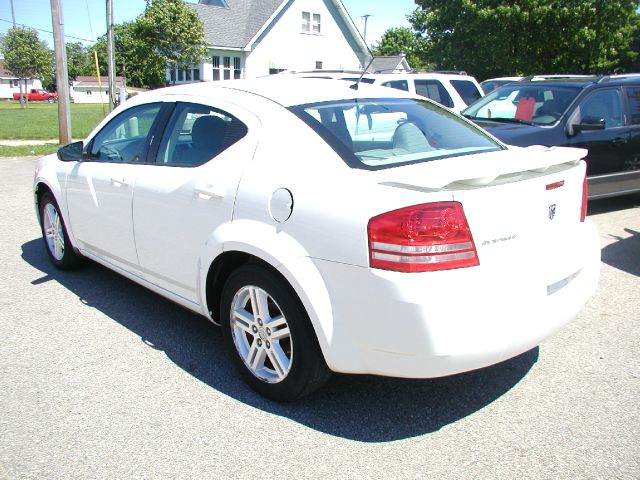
{"x":386,"y":64}
{"x":235,"y":26}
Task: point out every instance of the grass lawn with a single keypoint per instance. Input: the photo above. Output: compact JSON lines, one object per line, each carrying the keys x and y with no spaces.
{"x":28,"y":150}
{"x":39,"y":121}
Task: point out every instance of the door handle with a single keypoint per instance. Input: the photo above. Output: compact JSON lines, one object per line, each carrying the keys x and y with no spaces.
{"x":619,"y":141}
{"x":210,"y":191}
{"x":120,"y":181}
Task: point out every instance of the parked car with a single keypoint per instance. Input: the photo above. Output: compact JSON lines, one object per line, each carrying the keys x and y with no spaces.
{"x":455,"y":90}
{"x":36,"y":95}
{"x":491,"y":84}
{"x":426,"y":249}
{"x":601,"y":114}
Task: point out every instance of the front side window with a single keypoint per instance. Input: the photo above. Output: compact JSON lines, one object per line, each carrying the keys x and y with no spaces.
{"x":602,"y":105}
{"x":434,"y":90}
{"x":542,"y":104}
{"x":196,"y":134}
{"x":383,"y":133}
{"x":124,"y":139}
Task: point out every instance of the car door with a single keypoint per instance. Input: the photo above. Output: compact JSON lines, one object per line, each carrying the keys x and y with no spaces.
{"x":607,"y":143}
{"x":99,"y":188}
{"x":189,"y":191}
{"x":632,"y":156}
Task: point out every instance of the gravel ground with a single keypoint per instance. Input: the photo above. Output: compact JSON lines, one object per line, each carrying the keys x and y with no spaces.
{"x":100,"y":378}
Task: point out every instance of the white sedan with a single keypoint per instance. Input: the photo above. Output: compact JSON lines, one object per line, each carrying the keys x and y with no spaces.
{"x":423,"y":249}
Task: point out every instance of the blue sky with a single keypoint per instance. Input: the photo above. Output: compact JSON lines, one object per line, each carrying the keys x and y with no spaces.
{"x":85,"y":19}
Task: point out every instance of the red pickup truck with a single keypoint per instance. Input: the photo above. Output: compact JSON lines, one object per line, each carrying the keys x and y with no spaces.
{"x":35,"y":95}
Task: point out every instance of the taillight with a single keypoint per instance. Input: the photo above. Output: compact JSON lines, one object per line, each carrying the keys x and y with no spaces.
{"x":585,"y":192}
{"x":422,"y":238}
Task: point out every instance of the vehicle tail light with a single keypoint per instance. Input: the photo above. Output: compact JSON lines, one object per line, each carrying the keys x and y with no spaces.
{"x":585,"y":192}
{"x":422,"y":238}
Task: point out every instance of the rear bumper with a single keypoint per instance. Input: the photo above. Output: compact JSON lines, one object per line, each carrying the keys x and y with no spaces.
{"x":440,"y":323}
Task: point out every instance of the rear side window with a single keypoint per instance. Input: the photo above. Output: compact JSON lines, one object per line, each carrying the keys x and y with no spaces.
{"x":633,"y":95}
{"x":397,"y":84}
{"x":467,"y":90}
{"x":434,"y":90}
{"x":196,"y":134}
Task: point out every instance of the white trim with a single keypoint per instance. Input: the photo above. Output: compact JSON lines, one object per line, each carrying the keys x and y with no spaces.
{"x":266,"y":25}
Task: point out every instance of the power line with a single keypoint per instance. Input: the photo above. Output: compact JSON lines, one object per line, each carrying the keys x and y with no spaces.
{"x":46,"y":31}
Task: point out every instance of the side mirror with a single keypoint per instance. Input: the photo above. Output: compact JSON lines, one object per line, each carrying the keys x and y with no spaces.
{"x":71,"y":152}
{"x":589,"y":124}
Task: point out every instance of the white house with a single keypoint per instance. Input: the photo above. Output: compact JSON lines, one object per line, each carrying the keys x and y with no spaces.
{"x":254,"y":38}
{"x":9,"y":83}
{"x":90,"y":90}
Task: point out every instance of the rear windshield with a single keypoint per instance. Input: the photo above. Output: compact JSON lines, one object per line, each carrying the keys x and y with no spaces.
{"x":467,"y":90}
{"x":382,"y":133}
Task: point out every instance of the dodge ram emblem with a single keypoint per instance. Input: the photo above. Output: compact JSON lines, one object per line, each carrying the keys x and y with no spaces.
{"x":552,"y":211}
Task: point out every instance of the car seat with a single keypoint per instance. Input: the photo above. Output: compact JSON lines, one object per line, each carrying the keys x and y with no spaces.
{"x":207,"y":138}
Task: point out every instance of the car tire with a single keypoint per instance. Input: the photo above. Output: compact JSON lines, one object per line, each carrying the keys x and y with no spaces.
{"x":55,"y":236}
{"x":275,"y":349}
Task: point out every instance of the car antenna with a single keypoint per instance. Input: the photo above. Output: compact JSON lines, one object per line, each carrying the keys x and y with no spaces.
{"x":357,"y":84}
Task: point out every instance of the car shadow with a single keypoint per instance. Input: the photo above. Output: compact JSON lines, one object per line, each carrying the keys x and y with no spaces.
{"x":357,"y":407}
{"x":606,"y":205}
{"x":624,"y":253}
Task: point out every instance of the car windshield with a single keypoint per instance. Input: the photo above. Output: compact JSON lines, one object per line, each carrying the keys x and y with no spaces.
{"x":531,"y":104}
{"x":381,"y":133}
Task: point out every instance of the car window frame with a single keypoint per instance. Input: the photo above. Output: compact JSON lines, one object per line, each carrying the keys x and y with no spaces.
{"x":158,"y":123}
{"x":441,"y":89}
{"x":165,"y":131}
{"x":627,"y":105}
{"x":581,"y":99}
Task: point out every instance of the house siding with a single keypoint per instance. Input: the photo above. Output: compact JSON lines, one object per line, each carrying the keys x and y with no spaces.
{"x":286,"y":46}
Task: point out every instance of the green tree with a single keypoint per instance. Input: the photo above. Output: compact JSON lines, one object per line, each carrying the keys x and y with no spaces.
{"x":172,"y":34}
{"x":26,"y":56}
{"x":500,"y":37}
{"x":78,"y":60}
{"x":402,"y":40}
{"x":133,"y":59}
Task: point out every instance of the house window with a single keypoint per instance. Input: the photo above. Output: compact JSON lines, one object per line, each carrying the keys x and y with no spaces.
{"x":15,"y":83}
{"x":318,"y":65}
{"x":311,"y":23}
{"x":196,"y":74}
{"x":215,"y":61}
{"x":226,"y":67}
{"x":187,"y":73}
{"x":181,"y":75}
{"x":316,"y":23}
{"x":88,"y":92}
{"x":236,"y":68}
{"x":173,"y":75}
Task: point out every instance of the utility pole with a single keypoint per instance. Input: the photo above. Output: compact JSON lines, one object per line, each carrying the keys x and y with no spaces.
{"x":366,"y":18}
{"x":62,"y":75}
{"x":110,"y":57}
{"x":13,"y":15}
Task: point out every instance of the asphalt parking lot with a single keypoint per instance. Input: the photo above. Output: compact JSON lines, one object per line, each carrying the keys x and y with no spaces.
{"x":100,"y":378}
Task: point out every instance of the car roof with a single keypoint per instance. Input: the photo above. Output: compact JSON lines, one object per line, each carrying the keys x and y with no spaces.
{"x":286,"y":91}
{"x":585,"y":81}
